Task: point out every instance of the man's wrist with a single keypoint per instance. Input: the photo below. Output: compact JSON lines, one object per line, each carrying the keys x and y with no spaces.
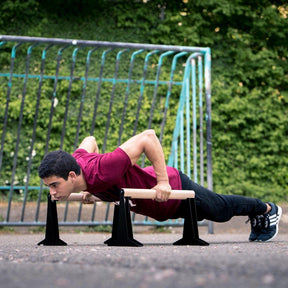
{"x":162,"y":181}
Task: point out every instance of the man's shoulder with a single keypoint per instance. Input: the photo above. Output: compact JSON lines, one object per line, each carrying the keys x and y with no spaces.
{"x":78,"y":152}
{"x":115,"y":155}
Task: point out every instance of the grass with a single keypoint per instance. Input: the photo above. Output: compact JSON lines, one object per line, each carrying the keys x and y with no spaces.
{"x":161,"y":229}
{"x":98,"y":229}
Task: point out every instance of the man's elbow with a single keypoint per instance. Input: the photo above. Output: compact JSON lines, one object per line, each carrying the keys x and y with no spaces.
{"x":89,"y":144}
{"x":150,"y":133}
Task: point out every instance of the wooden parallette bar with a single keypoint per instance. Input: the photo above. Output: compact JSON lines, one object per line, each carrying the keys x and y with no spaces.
{"x":141,"y":194}
{"x":151,"y":193}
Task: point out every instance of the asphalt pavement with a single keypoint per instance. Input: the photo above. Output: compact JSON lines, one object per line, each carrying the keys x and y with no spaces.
{"x":229,"y":261}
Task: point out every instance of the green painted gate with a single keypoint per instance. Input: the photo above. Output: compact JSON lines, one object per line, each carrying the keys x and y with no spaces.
{"x":54,"y":92}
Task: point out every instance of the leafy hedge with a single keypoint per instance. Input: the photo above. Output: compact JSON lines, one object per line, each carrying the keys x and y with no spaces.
{"x":249,"y":70}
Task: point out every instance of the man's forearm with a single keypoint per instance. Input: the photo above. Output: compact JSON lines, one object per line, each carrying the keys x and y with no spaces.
{"x":155,"y":154}
{"x":147,"y":142}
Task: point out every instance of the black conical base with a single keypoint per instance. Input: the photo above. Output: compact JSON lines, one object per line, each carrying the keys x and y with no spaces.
{"x":192,"y":242}
{"x":122,"y":233}
{"x":52,"y":242}
{"x":52,"y":228}
{"x":123,"y":242}
{"x":190,"y":229}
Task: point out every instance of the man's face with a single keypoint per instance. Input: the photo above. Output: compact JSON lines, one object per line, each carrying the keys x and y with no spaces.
{"x":59,"y":188}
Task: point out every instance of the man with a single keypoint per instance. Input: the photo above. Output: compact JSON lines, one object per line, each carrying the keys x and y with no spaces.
{"x":103,"y":175}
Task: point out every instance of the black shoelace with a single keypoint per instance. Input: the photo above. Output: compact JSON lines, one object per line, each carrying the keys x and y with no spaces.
{"x":259,"y":222}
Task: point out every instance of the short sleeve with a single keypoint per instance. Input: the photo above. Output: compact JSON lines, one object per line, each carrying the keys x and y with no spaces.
{"x":108,"y":168}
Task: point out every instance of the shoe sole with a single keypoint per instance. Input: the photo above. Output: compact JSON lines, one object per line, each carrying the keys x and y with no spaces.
{"x":279,"y":214}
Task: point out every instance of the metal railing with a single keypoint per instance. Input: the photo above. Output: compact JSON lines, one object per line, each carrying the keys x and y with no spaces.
{"x":54,"y":92}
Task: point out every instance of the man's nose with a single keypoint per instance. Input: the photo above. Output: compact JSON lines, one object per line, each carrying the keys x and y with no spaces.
{"x":52,"y":192}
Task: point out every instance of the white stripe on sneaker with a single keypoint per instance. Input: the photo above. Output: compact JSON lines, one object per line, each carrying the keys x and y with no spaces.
{"x":278,"y":216}
{"x":275,"y":218}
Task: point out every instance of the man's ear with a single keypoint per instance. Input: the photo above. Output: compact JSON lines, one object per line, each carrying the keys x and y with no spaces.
{"x":72,"y":175}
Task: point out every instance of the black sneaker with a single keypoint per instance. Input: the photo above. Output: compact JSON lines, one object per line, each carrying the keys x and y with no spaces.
{"x":270,"y":223}
{"x":256,"y":226}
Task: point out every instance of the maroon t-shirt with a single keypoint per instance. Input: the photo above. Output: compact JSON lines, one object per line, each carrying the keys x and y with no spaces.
{"x":106,"y":174}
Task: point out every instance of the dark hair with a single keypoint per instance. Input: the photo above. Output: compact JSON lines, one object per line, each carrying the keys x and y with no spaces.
{"x":58,"y":163}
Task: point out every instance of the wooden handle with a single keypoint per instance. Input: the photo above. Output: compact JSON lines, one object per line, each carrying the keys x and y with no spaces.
{"x":151,"y":193}
{"x":140,"y":194}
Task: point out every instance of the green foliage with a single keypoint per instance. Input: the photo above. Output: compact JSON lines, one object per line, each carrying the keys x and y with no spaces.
{"x":249,"y":73}
{"x":99,"y":229}
{"x":16,"y":10}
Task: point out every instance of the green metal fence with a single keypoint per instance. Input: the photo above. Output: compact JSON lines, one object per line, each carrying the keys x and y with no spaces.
{"x":54,"y":92}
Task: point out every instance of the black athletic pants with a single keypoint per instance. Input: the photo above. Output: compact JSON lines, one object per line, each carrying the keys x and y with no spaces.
{"x":216,"y":207}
